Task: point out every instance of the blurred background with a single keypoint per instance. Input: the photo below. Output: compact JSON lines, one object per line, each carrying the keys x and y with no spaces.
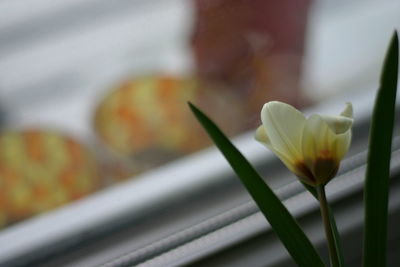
{"x":94,"y":92}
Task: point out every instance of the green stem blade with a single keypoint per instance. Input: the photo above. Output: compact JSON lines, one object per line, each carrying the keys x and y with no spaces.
{"x":335,"y":231}
{"x":284,"y":225}
{"x":378,"y":164}
{"x":323,"y":203}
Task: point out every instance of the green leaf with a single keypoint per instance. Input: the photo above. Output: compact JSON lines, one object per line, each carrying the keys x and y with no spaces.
{"x":338,"y":243}
{"x":378,"y":164}
{"x":285,"y":226}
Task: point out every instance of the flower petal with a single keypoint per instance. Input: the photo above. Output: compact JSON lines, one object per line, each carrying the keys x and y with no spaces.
{"x":329,"y":134}
{"x":323,"y":136}
{"x":314,"y":135}
{"x":342,"y":123}
{"x":262,"y":137}
{"x":284,"y":126}
{"x":342,"y":145}
{"x":348,"y":111}
{"x":337,"y":124}
{"x":325,"y":142}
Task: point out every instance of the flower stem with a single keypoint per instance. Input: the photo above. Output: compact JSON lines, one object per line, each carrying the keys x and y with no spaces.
{"x":323,"y":204}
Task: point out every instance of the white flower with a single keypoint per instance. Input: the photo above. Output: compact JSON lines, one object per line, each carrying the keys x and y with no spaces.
{"x":311,"y":148}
